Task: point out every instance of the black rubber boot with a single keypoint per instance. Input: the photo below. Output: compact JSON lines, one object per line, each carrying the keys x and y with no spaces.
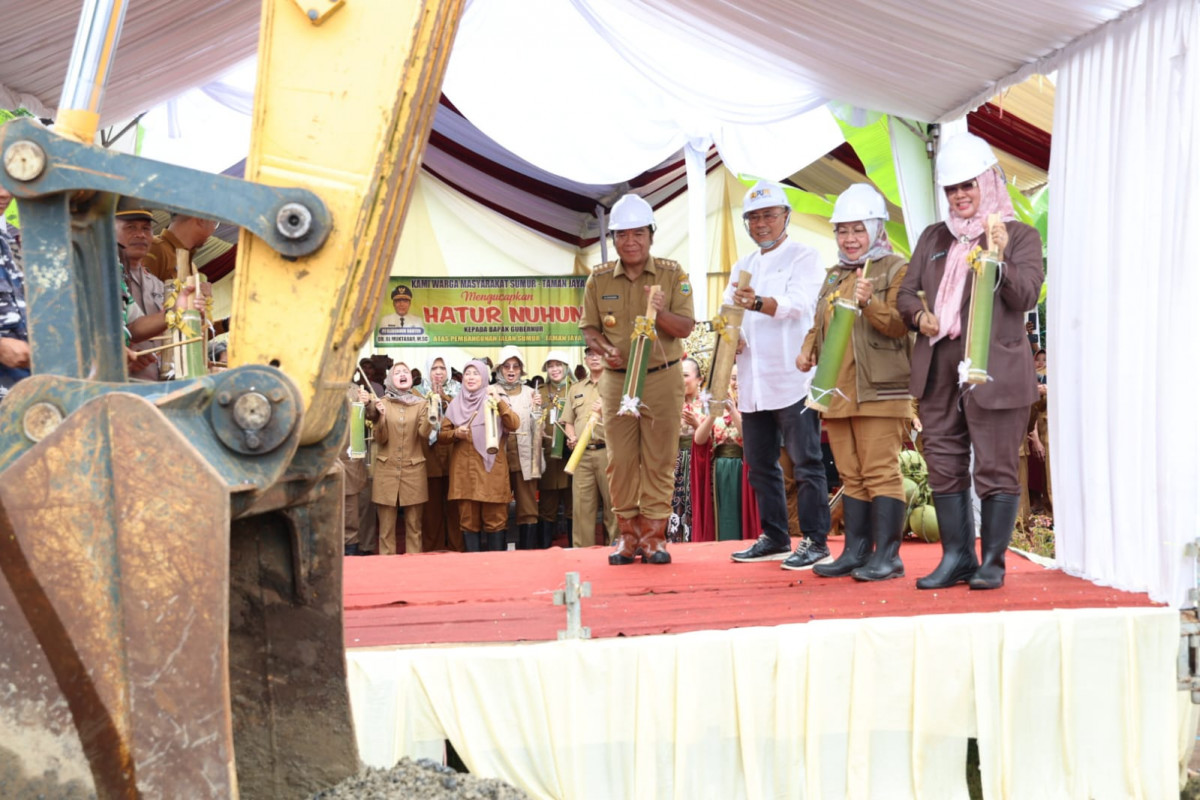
{"x":887,"y":526}
{"x":998,"y":515}
{"x":570,"y":534}
{"x":547,"y":535}
{"x":956,"y":522}
{"x":523,"y":537}
{"x":471,"y":541}
{"x":856,"y":521}
{"x":495,"y":540}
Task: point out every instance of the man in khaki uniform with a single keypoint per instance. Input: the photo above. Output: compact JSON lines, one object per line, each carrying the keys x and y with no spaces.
{"x":642,"y":447}
{"x":583,"y":400}
{"x":184,"y":232}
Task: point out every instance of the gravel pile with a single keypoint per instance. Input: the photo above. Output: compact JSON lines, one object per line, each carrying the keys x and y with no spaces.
{"x":420,"y":779}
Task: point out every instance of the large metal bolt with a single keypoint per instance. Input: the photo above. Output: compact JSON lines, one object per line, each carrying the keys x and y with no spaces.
{"x":24,"y":160}
{"x":40,"y":420}
{"x":293,"y":221}
{"x":253,"y":442}
{"x":252,"y":411}
{"x":224,"y":398}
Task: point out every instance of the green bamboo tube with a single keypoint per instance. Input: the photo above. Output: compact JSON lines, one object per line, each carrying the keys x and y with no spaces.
{"x":358,"y":430}
{"x":639,"y":360}
{"x":195,"y":355}
{"x":558,"y":440}
{"x":832,"y":354}
{"x":635,"y":374}
{"x":979,"y":325}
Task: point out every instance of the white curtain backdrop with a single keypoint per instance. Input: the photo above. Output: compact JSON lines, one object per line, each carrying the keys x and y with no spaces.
{"x":1125,"y":210}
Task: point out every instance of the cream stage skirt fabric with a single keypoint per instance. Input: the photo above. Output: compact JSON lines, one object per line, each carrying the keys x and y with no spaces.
{"x":1064,"y":704}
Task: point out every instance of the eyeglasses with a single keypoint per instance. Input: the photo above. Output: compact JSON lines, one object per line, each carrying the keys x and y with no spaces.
{"x":962,"y":187}
{"x":762,"y":216}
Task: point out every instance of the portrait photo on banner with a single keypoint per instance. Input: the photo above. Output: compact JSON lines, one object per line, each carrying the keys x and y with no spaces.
{"x":481,"y":312}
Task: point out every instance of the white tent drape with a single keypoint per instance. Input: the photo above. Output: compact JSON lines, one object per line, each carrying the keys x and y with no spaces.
{"x":1123,"y":283}
{"x":557,"y":82}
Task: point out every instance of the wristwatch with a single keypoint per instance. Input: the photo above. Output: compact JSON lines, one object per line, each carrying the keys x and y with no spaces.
{"x":757,"y":303}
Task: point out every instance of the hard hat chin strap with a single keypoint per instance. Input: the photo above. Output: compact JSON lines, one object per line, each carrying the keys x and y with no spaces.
{"x":768,"y":245}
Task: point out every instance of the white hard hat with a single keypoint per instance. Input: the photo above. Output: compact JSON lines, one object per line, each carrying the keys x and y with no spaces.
{"x":859,"y":202}
{"x":764,"y":194}
{"x":629,"y":212}
{"x":557,"y":355}
{"x":510,"y":351}
{"x":962,"y":157}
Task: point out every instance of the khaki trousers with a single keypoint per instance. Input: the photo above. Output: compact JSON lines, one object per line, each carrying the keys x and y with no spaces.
{"x":642,"y":449}
{"x":477,"y":517}
{"x":589,"y":485}
{"x":867,"y":453}
{"x":387,"y":528}
{"x":525,"y":493}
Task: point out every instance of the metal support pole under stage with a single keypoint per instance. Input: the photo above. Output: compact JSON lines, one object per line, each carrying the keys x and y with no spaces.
{"x":570,"y":597}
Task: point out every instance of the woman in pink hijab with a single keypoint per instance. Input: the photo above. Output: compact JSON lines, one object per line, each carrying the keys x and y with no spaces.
{"x":479,"y":479}
{"x":988,"y":418}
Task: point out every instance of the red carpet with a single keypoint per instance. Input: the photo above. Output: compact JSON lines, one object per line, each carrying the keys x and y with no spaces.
{"x":440,"y":598}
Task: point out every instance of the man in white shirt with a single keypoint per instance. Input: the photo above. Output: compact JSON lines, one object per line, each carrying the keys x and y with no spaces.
{"x":785,"y":279}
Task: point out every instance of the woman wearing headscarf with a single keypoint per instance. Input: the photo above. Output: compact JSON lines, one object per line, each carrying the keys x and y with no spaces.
{"x":526,"y":461}
{"x":479,"y":479}
{"x":866,"y":413}
{"x":554,"y":487}
{"x":401,"y":432}
{"x":441,"y":514}
{"x":989,"y":418}
{"x":679,"y":526}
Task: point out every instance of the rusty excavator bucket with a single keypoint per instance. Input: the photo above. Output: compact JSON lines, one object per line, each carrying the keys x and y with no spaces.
{"x":153,"y":646}
{"x":171,"y":553}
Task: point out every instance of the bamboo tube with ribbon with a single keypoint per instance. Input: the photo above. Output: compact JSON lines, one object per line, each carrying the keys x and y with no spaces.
{"x":728,"y":327}
{"x":639,"y":358}
{"x":833,"y":350}
{"x":985,"y":264}
{"x":558,"y":437}
{"x":491,"y":425}
{"x":191,"y":351}
{"x":358,"y":423}
{"x":581,"y":444}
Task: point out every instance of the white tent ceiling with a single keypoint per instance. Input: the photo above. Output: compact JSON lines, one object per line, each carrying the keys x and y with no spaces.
{"x":929,"y":60}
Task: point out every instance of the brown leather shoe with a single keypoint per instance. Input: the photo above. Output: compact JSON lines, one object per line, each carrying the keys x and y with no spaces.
{"x":627,"y":542}
{"x":654,"y":541}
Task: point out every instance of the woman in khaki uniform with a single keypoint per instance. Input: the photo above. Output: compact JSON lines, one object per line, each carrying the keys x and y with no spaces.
{"x":479,"y":479}
{"x":402,"y":429}
{"x":441,"y":514}
{"x":525,"y":458}
{"x":554,"y":487}
{"x":866,"y":415}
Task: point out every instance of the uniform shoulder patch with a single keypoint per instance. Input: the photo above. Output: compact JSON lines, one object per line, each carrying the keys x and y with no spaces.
{"x":666,"y":263}
{"x":607,"y":266}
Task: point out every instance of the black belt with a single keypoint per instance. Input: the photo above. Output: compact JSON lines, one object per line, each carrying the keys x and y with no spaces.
{"x":667,"y":365}
{"x":595,"y":446}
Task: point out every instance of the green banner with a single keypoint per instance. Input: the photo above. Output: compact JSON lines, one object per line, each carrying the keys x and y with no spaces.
{"x":481,"y":312}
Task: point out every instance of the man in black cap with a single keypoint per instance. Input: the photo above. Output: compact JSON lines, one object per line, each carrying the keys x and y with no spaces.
{"x":134,"y":229}
{"x":403,"y":316}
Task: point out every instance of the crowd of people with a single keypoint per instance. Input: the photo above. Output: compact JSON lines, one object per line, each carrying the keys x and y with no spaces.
{"x":658,"y":461}
{"x":664,"y":463}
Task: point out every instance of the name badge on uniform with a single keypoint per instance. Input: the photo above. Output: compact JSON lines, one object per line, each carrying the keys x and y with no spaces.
{"x":936,"y":256}
{"x":610,"y":297}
